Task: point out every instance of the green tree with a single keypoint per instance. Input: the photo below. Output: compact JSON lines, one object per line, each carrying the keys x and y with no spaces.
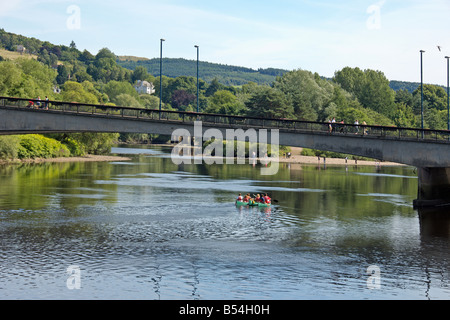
{"x":76,"y":92}
{"x":371,"y":88}
{"x":26,"y":78}
{"x":351,"y":80}
{"x":404,"y":116}
{"x":166,"y":93}
{"x":377,"y":94}
{"x":86,"y":57}
{"x":404,"y":96}
{"x":435,"y":119}
{"x":213,"y":87}
{"x":105,"y":68}
{"x":149,"y":101}
{"x":435,"y":96}
{"x":268,"y":102}
{"x":96,"y":143}
{"x":224,"y":102}
{"x":140,"y":73}
{"x":63,"y":74}
{"x":115,"y":88}
{"x":306,"y":92}
{"x":125,"y":100}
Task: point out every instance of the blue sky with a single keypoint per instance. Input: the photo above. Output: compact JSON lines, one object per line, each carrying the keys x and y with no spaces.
{"x":320,"y":36}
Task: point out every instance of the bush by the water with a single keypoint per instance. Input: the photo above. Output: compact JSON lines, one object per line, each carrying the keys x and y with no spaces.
{"x":55,"y":145}
{"x":9,"y":145}
{"x":37,"y":146}
{"x":31,"y":147}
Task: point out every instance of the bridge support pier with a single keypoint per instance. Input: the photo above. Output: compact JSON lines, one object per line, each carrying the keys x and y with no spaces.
{"x":434,"y":187}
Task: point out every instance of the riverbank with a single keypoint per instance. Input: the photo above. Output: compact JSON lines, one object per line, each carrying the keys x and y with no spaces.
{"x":87,"y":158}
{"x":335,"y":161}
{"x":296,"y":157}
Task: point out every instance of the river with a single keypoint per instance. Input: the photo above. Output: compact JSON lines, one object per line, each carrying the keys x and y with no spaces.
{"x":150,"y":229}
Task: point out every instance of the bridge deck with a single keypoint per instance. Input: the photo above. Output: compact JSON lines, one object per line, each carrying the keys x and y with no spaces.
{"x":412,"y":146}
{"x":93,"y":110}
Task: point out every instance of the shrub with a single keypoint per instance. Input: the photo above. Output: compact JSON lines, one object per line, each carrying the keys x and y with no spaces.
{"x":37,"y":146}
{"x":76,"y":148}
{"x":9,"y":146}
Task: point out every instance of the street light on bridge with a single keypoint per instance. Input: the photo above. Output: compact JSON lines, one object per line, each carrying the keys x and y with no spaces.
{"x":421,"y":86}
{"x":198,"y":101}
{"x":448,"y":92}
{"x":160,"y":79}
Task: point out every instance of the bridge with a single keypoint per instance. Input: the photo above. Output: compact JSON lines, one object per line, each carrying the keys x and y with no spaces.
{"x":428,"y":150}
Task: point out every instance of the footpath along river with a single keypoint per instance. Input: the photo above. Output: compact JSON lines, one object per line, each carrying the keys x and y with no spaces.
{"x":150,"y":229}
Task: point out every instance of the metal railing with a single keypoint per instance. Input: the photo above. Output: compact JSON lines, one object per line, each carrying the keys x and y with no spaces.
{"x":286,"y":125}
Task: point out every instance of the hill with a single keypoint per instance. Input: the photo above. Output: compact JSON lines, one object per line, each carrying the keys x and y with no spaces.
{"x":225,"y":74}
{"x":12,"y":55}
{"x":408,"y":86}
{"x":403,"y":85}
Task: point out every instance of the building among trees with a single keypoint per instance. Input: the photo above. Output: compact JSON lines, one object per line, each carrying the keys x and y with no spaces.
{"x":144,"y":87}
{"x":21,"y":49}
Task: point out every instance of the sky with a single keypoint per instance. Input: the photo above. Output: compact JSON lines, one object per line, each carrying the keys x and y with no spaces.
{"x":320,"y":36}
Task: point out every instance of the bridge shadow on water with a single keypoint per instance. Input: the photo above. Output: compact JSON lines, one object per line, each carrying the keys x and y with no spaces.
{"x":435,"y":222}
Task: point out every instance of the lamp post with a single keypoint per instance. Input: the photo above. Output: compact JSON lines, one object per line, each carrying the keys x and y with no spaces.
{"x":198,"y":97}
{"x":160,"y":79}
{"x":421,"y":87}
{"x":448,"y":92}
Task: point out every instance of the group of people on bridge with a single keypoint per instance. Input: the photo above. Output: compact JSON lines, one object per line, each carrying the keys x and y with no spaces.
{"x":37,"y":104}
{"x":334,"y":126}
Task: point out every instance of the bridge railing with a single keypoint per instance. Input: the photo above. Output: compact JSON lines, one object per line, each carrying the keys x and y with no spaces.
{"x":228,"y":120}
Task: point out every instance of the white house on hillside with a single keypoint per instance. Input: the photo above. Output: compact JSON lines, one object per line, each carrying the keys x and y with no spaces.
{"x":21,"y":49}
{"x":144,"y":87}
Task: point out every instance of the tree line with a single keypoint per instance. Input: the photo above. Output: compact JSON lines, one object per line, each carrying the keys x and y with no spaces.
{"x":225,"y":74}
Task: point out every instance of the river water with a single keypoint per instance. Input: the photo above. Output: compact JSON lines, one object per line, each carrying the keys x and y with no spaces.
{"x":150,"y":229}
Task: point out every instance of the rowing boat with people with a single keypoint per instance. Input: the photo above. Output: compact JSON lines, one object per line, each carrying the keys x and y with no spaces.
{"x":252,"y":204}
{"x":258,"y":201}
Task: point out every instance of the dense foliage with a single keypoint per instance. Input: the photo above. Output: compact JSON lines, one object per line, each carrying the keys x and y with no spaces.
{"x":352,"y":94}
{"x":228,"y":75}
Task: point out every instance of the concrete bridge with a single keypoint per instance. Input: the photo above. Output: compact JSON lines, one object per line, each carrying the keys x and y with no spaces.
{"x":428,"y":150}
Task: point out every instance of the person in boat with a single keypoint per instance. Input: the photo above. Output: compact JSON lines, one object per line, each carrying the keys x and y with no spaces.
{"x":259,"y":198}
{"x":240,"y":198}
{"x":251,"y":200}
{"x":267,"y":199}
